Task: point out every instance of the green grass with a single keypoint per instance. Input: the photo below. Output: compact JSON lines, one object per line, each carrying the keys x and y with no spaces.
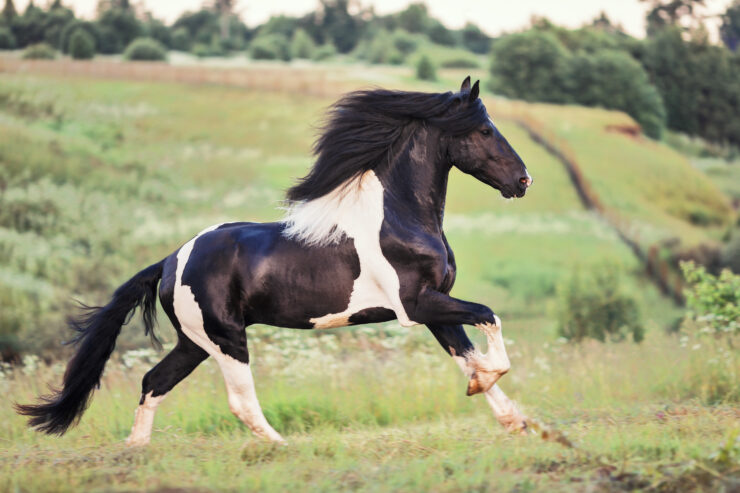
{"x":374,"y":420}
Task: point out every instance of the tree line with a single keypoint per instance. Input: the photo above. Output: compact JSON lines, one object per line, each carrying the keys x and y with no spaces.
{"x":675,"y":77}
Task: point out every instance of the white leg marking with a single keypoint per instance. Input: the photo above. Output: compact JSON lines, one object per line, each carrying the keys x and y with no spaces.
{"x":484,"y":370}
{"x":506,"y":411}
{"x":239,"y":383}
{"x":144,"y":419}
{"x":487,"y":369}
{"x":355,"y":210}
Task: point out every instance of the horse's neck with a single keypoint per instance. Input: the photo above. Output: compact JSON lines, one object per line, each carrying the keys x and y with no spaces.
{"x":417,"y":179}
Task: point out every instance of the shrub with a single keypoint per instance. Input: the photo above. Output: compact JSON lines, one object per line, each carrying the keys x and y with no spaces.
{"x":270,"y":47}
{"x":302,"y":46}
{"x":614,"y":80}
{"x":597,"y":307}
{"x":180,"y":39}
{"x":709,"y":330}
{"x":425,"y":69}
{"x":381,"y":50}
{"x":72,"y":27}
{"x":714,"y":301}
{"x":145,"y":49}
{"x":324,"y":52}
{"x":40,"y":51}
{"x":7,"y":40}
{"x":81,"y":45}
{"x":532,"y":66}
{"x":404,"y":41}
{"x":460,"y":63}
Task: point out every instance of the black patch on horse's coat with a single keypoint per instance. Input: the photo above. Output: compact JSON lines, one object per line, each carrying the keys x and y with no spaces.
{"x":372,"y":315}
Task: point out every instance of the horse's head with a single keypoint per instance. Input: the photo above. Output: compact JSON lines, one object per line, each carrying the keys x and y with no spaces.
{"x":484,"y":152}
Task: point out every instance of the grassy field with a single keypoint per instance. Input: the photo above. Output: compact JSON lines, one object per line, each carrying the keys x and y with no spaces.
{"x":99,"y":178}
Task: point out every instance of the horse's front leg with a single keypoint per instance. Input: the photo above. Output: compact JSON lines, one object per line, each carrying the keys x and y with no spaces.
{"x":484,"y":370}
{"x":455,"y":341}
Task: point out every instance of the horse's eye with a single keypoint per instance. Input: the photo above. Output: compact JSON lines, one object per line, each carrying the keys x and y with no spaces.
{"x":486,"y":131}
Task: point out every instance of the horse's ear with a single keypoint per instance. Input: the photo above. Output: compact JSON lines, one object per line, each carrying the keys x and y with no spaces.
{"x":474,"y":91}
{"x":465,"y":87}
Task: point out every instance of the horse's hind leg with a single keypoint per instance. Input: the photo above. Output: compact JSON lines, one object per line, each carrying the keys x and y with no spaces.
{"x":230,"y":352}
{"x":177,"y":365}
{"x":242,"y":396}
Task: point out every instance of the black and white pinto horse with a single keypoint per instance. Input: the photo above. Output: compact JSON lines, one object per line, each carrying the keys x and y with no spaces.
{"x":362,"y":242}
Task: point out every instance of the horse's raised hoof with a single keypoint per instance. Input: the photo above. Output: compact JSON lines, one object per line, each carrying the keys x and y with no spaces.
{"x":482,"y":380}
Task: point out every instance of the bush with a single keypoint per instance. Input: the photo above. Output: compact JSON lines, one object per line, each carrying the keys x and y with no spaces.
{"x":459,"y":63}
{"x":597,"y":307}
{"x":714,"y":301}
{"x":710,"y":329}
{"x":324,"y":52}
{"x":302,"y":46}
{"x":7,"y":40}
{"x":145,"y":49}
{"x":40,"y":51}
{"x":425,"y":69}
{"x":72,"y":27}
{"x":81,"y":45}
{"x":532,"y":66}
{"x":270,"y":47}
{"x":181,"y":39}
{"x":405,"y":42}
{"x":381,"y":50}
{"x":614,"y":80}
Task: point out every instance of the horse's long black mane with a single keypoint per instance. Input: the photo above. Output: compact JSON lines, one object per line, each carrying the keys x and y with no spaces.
{"x":363,"y":126}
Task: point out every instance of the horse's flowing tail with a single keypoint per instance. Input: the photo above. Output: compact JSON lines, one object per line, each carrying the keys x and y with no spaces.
{"x":98,"y":329}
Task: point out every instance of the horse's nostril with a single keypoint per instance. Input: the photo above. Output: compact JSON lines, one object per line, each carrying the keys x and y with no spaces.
{"x":525,"y":180}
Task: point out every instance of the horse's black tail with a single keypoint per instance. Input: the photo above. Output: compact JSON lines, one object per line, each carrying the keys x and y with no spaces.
{"x":98,"y":329}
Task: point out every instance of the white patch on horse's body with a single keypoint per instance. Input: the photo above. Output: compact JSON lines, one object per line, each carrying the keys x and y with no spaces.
{"x":355,"y":211}
{"x":238,"y":376}
{"x":143,"y":420}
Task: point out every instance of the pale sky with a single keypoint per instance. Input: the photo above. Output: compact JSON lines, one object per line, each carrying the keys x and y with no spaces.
{"x":493,"y":16}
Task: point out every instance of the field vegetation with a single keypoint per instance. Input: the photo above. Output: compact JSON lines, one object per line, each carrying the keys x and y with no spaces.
{"x":625,"y":388}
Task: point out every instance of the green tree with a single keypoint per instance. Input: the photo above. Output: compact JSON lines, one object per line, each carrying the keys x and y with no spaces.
{"x":438,"y":33}
{"x":532,"y":66}
{"x":698,"y":83}
{"x":414,"y":18}
{"x":81,"y":45}
{"x":614,"y":80}
{"x":74,"y":25}
{"x":302,"y":46}
{"x":9,"y":13}
{"x":7,"y":40}
{"x":425,"y":69}
{"x":119,"y":26}
{"x":475,"y":40}
{"x":729,"y":31}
